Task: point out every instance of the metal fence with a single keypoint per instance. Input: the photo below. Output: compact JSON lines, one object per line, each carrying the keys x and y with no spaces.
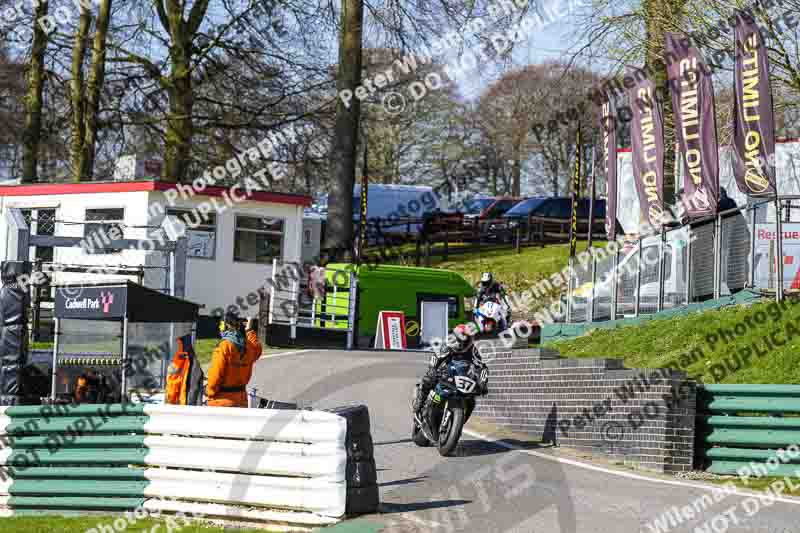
{"x":708,"y":258}
{"x":322,"y":300}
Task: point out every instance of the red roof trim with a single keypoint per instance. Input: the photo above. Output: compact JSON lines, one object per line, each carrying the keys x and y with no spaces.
{"x":45,"y":189}
{"x":38,"y":189}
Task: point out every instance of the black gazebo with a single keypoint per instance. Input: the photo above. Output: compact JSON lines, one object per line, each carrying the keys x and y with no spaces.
{"x":108,"y":311}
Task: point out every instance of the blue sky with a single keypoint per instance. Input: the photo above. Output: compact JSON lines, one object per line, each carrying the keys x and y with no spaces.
{"x":554,"y":41}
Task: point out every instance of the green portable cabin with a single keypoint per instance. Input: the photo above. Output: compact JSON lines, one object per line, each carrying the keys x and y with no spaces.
{"x":397,"y":288}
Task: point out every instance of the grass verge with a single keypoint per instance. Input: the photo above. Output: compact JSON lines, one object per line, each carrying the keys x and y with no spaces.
{"x":81,"y":524}
{"x":708,"y":345}
{"x":761,"y":484}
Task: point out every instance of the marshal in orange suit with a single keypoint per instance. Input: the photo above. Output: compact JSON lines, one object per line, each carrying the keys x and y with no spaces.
{"x":232,"y":363}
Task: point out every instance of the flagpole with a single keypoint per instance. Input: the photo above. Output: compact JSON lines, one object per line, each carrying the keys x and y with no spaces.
{"x":591,"y":199}
{"x":573,"y":227}
{"x":779,"y":242}
{"x":362,"y":233}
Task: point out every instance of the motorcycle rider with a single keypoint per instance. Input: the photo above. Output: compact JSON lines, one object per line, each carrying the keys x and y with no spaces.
{"x":459,"y":346}
{"x":490,"y":290}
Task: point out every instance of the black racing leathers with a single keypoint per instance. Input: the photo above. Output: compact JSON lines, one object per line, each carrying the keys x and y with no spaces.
{"x":446,"y":355}
{"x":491,"y":293}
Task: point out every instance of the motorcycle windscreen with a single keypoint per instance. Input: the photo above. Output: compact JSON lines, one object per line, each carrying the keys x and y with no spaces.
{"x":434,"y":324}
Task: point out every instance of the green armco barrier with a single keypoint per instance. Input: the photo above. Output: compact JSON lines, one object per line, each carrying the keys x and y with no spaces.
{"x":80,"y":472}
{"x":48,"y":411}
{"x":759,"y":422}
{"x":729,"y":438}
{"x":562,"y":331}
{"x":117,"y":458}
{"x":753,"y":390}
{"x":736,"y":404}
{"x":122,"y":424}
{"x":44,"y":503}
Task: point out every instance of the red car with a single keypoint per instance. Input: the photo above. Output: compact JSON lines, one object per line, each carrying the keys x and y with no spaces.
{"x":489,"y":207}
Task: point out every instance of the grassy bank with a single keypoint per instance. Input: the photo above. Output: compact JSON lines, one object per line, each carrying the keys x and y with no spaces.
{"x":695,"y":343}
{"x":48,"y":524}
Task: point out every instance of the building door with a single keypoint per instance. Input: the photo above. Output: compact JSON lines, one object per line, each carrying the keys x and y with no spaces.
{"x":433,"y":322}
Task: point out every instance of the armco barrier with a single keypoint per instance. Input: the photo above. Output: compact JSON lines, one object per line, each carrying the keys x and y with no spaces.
{"x":263,"y":465}
{"x":740,"y":424}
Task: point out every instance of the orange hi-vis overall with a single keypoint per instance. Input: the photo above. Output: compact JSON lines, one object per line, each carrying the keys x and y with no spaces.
{"x":230,"y":372}
{"x":178,"y":377}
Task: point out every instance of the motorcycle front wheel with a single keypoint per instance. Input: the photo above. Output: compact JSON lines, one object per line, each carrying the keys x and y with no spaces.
{"x":451,"y":431}
{"x":419,"y":437}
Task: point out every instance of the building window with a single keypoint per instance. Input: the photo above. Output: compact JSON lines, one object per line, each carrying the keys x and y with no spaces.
{"x":258,"y":239}
{"x":102,"y":227}
{"x":41,"y":222}
{"x":201,"y":232}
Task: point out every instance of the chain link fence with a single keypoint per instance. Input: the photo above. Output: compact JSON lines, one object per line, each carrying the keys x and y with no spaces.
{"x":718,"y":256}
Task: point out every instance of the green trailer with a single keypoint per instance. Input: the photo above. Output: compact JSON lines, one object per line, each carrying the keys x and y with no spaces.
{"x":396,"y":288}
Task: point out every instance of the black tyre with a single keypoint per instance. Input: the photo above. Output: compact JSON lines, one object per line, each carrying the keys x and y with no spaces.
{"x":419,"y":437}
{"x":448,"y":436}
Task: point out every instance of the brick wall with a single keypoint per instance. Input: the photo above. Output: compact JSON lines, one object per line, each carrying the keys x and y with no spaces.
{"x":578,"y":403}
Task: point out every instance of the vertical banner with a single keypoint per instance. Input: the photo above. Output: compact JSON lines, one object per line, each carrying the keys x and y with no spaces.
{"x":695,"y":124}
{"x":753,"y":122}
{"x":647,"y":141}
{"x":576,"y":183}
{"x":610,"y":156}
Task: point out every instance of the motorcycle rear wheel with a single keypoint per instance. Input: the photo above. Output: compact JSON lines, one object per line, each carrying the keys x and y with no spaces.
{"x":448,"y":437}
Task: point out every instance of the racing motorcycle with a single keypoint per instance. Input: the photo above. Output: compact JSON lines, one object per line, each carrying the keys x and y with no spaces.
{"x":449,"y":404}
{"x":491,"y":317}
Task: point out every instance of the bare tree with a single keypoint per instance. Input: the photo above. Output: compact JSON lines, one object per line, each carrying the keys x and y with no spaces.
{"x":515,"y":112}
{"x":31,"y":138}
{"x":85,"y":100}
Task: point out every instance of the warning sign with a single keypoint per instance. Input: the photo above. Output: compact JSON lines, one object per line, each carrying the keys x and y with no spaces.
{"x":391,"y":331}
{"x":766,"y":251}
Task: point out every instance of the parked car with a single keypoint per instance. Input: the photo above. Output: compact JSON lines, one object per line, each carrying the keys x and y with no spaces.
{"x":393,"y":205}
{"x":559,"y":208}
{"x":489,"y":207}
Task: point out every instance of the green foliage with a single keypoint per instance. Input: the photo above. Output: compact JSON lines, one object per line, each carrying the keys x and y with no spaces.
{"x":77,"y":524}
{"x":517,"y":271}
{"x":665,"y":342}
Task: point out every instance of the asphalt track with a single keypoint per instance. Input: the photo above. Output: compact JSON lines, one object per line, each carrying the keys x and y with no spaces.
{"x":507,"y":486}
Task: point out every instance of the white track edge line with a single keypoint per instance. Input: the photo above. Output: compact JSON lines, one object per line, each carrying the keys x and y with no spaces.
{"x":629,"y":475}
{"x":587,"y":466}
{"x":279,"y":354}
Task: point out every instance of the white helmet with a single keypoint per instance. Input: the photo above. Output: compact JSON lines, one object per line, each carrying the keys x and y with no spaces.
{"x":486,"y":278}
